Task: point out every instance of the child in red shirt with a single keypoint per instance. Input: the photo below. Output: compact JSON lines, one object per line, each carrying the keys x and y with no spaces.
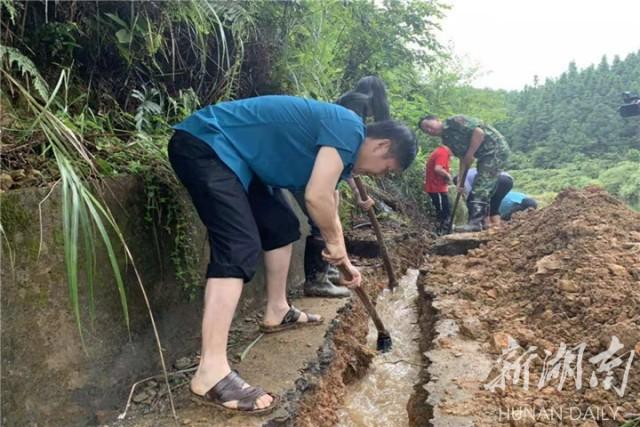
{"x":436,"y":184}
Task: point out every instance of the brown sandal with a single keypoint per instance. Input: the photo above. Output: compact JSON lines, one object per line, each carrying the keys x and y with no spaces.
{"x":230,"y":388}
{"x":290,"y":321}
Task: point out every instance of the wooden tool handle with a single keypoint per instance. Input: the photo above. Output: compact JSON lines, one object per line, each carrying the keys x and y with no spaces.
{"x":361,"y":188}
{"x":376,"y":228}
{"x":365,"y":300}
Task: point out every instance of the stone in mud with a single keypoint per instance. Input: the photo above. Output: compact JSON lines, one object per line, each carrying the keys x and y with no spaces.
{"x":617,"y":270}
{"x":568,"y":286}
{"x":471,"y":327}
{"x":459,"y":244}
{"x":140,"y":397}
{"x":548,"y":264}
{"x":501,"y":341}
{"x":183,"y":363}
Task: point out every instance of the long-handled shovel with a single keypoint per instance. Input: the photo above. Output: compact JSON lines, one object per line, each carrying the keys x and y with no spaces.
{"x":376,"y":228}
{"x":383,"y":344}
{"x":455,"y":204}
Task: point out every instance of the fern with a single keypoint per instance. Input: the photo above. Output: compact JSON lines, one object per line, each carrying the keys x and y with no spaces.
{"x":26,"y":66}
{"x":8,"y":4}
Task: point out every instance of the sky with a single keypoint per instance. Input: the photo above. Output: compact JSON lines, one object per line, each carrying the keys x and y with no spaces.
{"x":513,"y":40}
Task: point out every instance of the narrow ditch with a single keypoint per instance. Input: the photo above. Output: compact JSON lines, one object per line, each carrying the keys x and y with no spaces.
{"x":361,"y":387}
{"x":419,"y":410}
{"x":380,"y":398}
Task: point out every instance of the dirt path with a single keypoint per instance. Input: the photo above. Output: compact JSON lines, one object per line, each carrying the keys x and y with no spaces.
{"x":274,"y":363}
{"x":309,"y":367}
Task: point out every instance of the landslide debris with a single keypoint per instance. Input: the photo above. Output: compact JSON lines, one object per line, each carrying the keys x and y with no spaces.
{"x":552,"y":294}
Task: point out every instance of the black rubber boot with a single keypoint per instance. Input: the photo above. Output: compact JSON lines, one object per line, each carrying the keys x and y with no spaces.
{"x":317,"y":283}
{"x":443,"y":227}
{"x":476,"y":217}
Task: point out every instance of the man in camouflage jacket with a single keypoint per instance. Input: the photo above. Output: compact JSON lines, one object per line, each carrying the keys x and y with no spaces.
{"x":469,"y":138}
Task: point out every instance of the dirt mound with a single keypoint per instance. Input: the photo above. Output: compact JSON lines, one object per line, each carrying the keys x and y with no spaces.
{"x":567,"y":275}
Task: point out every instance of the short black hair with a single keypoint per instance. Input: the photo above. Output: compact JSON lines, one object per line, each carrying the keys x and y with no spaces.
{"x":426,"y":117}
{"x":403,"y":140}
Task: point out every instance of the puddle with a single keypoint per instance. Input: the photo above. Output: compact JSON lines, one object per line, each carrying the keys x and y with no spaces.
{"x":380,"y":398}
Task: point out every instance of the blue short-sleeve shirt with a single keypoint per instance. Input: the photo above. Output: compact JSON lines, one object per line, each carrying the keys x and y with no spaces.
{"x":510,"y":199}
{"x":277,"y":138}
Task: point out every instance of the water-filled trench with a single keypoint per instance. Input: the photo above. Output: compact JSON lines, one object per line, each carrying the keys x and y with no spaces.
{"x":380,"y":398}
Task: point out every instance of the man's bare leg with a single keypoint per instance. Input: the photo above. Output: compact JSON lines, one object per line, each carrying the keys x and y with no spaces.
{"x":220,"y":301}
{"x":277,"y":263}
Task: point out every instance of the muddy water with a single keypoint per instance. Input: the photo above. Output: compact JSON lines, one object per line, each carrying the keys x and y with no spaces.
{"x":380,"y":398}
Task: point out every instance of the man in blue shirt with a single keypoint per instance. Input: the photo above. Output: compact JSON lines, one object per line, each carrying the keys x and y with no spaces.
{"x":514,"y":202}
{"x":233,"y":158}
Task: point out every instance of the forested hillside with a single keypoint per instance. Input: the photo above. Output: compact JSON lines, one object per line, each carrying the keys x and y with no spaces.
{"x":90,"y":90}
{"x":567,"y":131}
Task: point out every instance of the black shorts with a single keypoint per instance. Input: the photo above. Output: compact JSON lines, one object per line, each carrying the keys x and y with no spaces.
{"x":239,"y":224}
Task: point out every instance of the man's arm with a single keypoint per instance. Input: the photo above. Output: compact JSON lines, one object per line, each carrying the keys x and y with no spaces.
{"x":465,"y":162}
{"x":322,"y":204}
{"x":320,"y":194}
{"x":476,"y":140}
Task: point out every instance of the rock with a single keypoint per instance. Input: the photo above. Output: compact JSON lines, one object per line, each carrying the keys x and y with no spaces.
{"x":492,"y":293}
{"x":444,"y":342}
{"x":568,"y":285}
{"x":500,"y":341}
{"x":468,"y":293}
{"x":548,"y":264}
{"x":526,"y":337}
{"x":459,"y":243}
{"x":617,"y":270}
{"x":5,"y":181}
{"x":547,"y":315}
{"x":471,"y":327}
{"x":140,"y":397}
{"x":548,"y":390}
{"x":183,"y":363}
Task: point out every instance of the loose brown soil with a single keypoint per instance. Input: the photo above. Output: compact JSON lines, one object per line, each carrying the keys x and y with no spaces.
{"x":569,"y":273}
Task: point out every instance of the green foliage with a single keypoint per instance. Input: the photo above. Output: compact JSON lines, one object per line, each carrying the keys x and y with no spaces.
{"x":13,"y":57}
{"x":567,"y":131}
